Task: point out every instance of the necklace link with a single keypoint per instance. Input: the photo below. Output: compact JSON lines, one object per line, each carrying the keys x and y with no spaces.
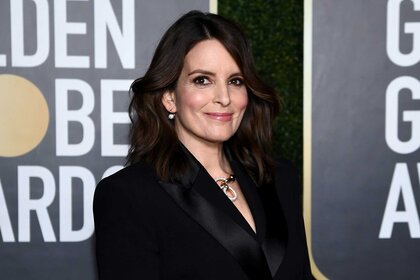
{"x":228,"y":190}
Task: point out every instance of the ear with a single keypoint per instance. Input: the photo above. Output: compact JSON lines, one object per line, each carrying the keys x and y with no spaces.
{"x":168,"y":100}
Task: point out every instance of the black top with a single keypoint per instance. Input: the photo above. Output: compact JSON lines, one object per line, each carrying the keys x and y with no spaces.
{"x":189,"y":229}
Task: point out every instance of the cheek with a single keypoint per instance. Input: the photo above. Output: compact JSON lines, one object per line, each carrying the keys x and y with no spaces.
{"x":190,"y":100}
{"x":242,"y":101}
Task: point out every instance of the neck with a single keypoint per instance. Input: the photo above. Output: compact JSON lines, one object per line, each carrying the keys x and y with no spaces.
{"x":211,"y":156}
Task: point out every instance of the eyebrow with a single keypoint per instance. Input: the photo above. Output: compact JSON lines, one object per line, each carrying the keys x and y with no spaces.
{"x":205,"y":72}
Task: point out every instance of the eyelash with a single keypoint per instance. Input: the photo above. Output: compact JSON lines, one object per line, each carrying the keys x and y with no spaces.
{"x":236,"y":82}
{"x":203,"y":81}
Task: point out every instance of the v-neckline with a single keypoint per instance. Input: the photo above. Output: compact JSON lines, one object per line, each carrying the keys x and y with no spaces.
{"x":199,"y":195}
{"x":207,"y":187}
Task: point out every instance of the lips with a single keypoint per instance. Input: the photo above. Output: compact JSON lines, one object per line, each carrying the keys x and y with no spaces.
{"x":220,"y":116}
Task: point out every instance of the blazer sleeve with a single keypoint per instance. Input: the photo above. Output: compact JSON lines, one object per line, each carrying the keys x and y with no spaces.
{"x":126,"y":247}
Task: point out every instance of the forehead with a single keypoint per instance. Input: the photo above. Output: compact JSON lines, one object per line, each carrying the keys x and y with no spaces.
{"x":210,"y":55}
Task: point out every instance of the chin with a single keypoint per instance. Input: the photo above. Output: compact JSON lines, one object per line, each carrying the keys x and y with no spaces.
{"x":220,"y":138}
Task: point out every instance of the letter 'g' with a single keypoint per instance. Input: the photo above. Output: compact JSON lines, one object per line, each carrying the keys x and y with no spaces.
{"x":393,"y":35}
{"x":391,"y":116}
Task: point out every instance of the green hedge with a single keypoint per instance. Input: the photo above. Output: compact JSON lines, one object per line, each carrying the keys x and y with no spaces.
{"x":275,"y":31}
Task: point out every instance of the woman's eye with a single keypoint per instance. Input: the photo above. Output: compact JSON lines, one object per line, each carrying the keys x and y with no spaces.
{"x":236,"y":82}
{"x":201,"y":80}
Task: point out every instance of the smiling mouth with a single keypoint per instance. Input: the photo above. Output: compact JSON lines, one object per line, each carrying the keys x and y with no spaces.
{"x":220,"y":116}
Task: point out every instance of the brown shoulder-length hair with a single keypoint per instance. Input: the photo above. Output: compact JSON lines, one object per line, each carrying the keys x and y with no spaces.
{"x":153,"y":136}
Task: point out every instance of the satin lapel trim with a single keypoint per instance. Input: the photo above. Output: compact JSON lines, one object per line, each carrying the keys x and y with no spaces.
{"x":249,"y":189}
{"x":275,"y":240}
{"x":242,"y":246}
{"x":268,"y":216}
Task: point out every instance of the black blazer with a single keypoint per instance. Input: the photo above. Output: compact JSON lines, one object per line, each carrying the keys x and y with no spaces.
{"x":149,"y":229}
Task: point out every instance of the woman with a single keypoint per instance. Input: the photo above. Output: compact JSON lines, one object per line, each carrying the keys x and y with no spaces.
{"x":202,"y":198}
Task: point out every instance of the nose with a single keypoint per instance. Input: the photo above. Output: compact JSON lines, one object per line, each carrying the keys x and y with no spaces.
{"x":221,"y":95}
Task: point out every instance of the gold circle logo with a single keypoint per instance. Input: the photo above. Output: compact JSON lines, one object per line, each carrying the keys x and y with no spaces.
{"x":24,"y":116}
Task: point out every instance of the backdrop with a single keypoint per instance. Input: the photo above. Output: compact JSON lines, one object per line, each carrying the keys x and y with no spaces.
{"x":362,"y":149}
{"x":65,"y":67}
{"x":65,"y":71}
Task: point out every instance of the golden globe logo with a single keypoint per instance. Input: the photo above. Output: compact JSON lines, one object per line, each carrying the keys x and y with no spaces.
{"x":38,"y":112}
{"x":24,"y":116}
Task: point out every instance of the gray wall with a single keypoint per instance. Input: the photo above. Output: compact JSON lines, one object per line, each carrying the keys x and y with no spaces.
{"x":366,"y":139}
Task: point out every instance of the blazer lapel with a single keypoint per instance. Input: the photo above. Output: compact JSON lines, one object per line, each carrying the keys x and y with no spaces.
{"x":197,"y":194}
{"x":275,"y":239}
{"x":268,"y":216}
{"x":233,"y":237}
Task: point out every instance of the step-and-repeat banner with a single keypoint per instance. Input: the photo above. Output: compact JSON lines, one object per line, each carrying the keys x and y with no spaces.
{"x":65,"y":71}
{"x":363,"y":102}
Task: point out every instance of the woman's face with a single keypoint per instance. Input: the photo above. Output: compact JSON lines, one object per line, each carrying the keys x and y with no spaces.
{"x":210,"y":97}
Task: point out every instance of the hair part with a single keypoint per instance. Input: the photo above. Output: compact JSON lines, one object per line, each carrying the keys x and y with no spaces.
{"x":153,"y":136}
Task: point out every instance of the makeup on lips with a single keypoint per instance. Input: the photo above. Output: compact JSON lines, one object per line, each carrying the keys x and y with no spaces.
{"x":220,"y":116}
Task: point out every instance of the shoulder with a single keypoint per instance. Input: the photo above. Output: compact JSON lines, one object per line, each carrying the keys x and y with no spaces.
{"x":286,"y":173}
{"x":283,"y":164}
{"x":132,"y":184}
{"x":287,"y":183}
{"x":132,"y":174}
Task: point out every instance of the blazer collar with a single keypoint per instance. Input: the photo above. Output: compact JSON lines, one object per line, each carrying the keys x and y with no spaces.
{"x":199,"y":196}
